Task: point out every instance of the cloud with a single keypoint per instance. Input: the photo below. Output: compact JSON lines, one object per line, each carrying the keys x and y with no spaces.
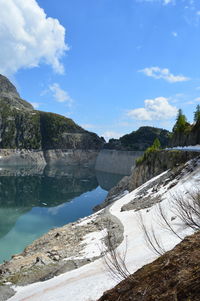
{"x":28,"y":37}
{"x":158,"y":73}
{"x":175,"y":34}
{"x":35,"y":105}
{"x":154,"y":109}
{"x":88,"y":126}
{"x":111,"y":134}
{"x":164,"y":2}
{"x":59,"y":94}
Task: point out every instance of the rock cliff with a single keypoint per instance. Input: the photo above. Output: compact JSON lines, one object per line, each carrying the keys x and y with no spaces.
{"x":154,"y":164}
{"x":23,"y":128}
{"x":190,"y":136}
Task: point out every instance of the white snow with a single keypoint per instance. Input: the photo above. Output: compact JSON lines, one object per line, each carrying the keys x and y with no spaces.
{"x":90,"y":281}
{"x":94,"y":244}
{"x":187,"y":148}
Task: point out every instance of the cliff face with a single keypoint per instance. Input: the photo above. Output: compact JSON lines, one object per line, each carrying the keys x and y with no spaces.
{"x":155,"y":163}
{"x":22,"y":127}
{"x":191,"y":136}
{"x":139,"y":140}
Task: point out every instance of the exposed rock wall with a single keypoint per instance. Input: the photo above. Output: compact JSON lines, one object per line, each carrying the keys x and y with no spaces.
{"x":71,"y":157}
{"x":156,"y":163}
{"x":191,"y":136}
{"x":118,"y":162}
{"x":21,"y":157}
{"x":22,"y":127}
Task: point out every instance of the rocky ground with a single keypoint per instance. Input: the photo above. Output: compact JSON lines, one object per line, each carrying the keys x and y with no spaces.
{"x":62,"y":249}
{"x":58,"y":251}
{"x":173,"y":276}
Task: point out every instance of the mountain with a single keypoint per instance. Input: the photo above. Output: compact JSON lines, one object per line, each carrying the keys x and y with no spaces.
{"x":22,"y":127}
{"x":140,"y":139}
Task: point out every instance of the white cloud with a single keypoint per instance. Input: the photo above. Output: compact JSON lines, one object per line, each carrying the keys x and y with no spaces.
{"x":167,"y":1}
{"x":88,"y":126}
{"x":60,"y":95}
{"x":197,"y":99}
{"x":158,"y":73}
{"x":28,"y":37}
{"x":111,"y":134}
{"x":154,"y":109}
{"x":175,"y":34}
{"x":164,"y":2}
{"x":35,"y":105}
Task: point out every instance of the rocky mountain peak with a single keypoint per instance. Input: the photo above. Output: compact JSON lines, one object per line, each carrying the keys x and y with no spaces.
{"x":7,"y":88}
{"x":10,"y":96}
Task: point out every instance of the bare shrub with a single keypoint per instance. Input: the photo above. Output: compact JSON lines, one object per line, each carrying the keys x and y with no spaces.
{"x":188,"y":208}
{"x":185,"y":207}
{"x":114,"y":261}
{"x":151,"y":239}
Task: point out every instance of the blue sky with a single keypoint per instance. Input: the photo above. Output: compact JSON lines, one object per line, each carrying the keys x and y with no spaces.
{"x":110,"y":65}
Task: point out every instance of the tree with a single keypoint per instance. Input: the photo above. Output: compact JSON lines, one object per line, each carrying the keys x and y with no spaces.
{"x":156,"y":144}
{"x":197,"y":114}
{"x":181,"y":122}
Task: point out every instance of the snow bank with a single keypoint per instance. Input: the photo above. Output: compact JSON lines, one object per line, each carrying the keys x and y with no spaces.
{"x":90,"y":281}
{"x":194,"y":148}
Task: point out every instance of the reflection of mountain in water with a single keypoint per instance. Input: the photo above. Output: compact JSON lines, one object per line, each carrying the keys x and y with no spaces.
{"x":52,"y":186}
{"x":107,"y":180}
{"x":21,"y":189}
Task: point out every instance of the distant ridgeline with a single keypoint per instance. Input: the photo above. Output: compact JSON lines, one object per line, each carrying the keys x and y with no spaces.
{"x":140,"y":140}
{"x":184,"y":133}
{"x":22,"y":127}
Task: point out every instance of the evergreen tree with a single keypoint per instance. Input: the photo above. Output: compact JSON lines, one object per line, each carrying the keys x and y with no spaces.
{"x":181,"y":122}
{"x":156,"y":144}
{"x":197,"y":114}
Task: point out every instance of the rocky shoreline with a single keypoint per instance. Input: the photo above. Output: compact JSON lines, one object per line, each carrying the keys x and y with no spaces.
{"x":60,"y":250}
{"x":25,"y":157}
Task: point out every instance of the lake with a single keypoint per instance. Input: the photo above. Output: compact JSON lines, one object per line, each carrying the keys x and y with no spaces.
{"x":34,"y":200}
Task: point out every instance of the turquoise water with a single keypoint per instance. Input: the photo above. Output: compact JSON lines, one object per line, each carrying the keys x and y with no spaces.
{"x":35,"y":200}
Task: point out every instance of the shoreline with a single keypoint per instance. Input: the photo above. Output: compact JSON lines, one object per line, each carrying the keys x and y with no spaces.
{"x":60,"y":250}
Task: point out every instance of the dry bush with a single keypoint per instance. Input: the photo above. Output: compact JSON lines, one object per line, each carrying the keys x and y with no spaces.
{"x":185,"y":207}
{"x":115,"y":262}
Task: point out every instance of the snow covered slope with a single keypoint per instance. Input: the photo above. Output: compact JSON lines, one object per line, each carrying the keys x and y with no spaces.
{"x":90,"y":281}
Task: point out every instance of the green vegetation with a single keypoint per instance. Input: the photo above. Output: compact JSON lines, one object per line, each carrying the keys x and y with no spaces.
{"x":185,"y":133}
{"x":30,"y":129}
{"x":181,"y":122}
{"x":156,"y":146}
{"x":140,"y":139}
{"x":197,"y":114}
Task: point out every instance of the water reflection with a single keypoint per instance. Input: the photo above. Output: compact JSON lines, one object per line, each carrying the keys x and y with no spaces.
{"x":36,"y":199}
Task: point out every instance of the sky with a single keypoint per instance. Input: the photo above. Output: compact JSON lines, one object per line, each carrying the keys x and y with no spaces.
{"x":110,"y":65}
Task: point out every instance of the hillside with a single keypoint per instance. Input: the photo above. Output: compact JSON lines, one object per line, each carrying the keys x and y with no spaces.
{"x":88,"y":282}
{"x":140,"y":139}
{"x":174,"y":276}
{"x":22,"y":127}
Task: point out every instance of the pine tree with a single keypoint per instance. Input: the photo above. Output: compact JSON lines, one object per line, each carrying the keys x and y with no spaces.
{"x":197,"y":114}
{"x":181,"y":122}
{"x":156,"y":144}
